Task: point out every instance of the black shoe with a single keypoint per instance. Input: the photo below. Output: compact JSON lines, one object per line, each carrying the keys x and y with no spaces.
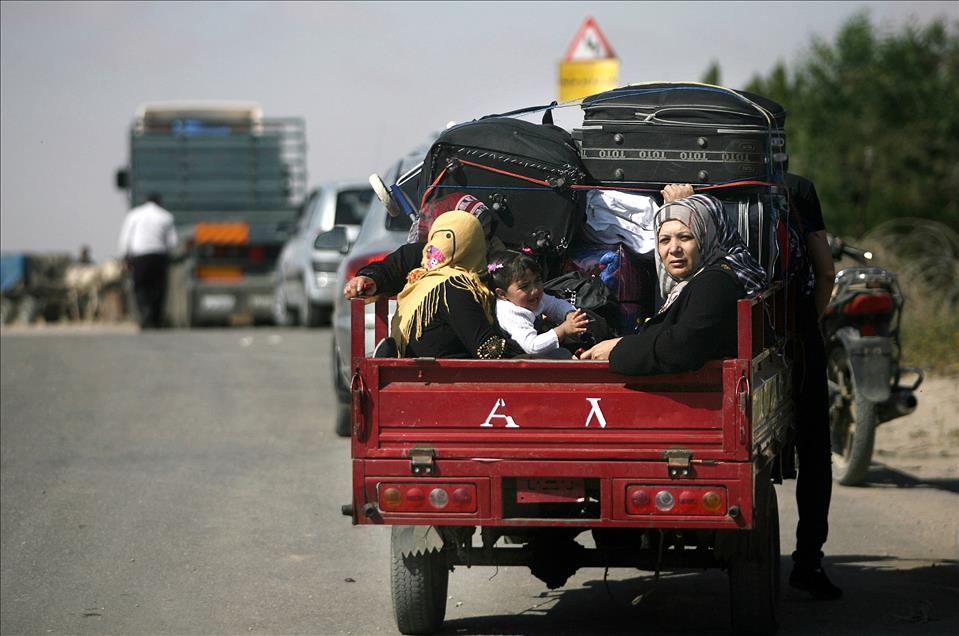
{"x":814,"y":581}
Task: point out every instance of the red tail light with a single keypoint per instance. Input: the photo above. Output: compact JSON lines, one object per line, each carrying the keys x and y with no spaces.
{"x":669,"y":500}
{"x":426,"y":497}
{"x":359,"y":262}
{"x":868,"y":304}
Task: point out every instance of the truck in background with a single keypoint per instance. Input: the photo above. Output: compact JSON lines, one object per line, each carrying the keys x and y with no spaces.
{"x":235,"y":182}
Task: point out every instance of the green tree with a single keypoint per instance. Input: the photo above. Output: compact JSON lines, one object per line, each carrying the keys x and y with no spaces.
{"x":873,"y":120}
{"x":712,"y":75}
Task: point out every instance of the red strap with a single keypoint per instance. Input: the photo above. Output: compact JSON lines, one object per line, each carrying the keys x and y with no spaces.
{"x":546,"y":184}
{"x":432,"y":185}
{"x":504,"y":172}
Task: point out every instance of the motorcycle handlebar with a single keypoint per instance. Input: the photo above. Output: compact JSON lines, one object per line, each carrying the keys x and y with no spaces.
{"x":856,"y":253}
{"x":840,"y":247}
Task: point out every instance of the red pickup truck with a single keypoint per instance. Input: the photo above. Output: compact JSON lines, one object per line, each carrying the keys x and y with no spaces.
{"x":666,"y":472}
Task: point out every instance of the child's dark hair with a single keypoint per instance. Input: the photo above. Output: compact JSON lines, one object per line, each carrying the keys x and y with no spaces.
{"x":506,"y":266}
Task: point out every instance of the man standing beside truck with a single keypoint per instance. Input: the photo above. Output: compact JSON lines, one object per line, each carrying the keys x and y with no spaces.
{"x":813,"y":447}
{"x":147,"y":239}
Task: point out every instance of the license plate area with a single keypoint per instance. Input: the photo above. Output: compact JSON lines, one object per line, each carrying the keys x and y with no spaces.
{"x":549,"y":490}
{"x":551,"y":498}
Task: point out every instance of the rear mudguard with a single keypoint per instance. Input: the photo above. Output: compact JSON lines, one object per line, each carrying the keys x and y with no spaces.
{"x":415,"y":540}
{"x":870,"y":362}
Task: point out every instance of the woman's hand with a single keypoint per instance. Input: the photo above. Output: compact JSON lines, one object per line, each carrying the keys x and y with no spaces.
{"x":575,"y":322}
{"x":359,"y":286}
{"x":677,"y":191}
{"x":600,"y":351}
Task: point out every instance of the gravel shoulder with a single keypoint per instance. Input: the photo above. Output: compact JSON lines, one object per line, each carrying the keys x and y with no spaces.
{"x":925,"y":443}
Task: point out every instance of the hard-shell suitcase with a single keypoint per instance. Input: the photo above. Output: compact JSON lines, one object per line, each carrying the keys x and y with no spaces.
{"x":680,"y":133}
{"x":684,"y":104}
{"x":523,"y":171}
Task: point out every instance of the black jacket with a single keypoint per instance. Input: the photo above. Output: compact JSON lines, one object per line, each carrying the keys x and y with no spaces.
{"x":699,"y":326}
{"x":469,"y":335}
{"x":390,"y":273}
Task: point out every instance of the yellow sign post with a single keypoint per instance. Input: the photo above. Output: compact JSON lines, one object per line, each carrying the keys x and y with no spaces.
{"x":589,"y":66}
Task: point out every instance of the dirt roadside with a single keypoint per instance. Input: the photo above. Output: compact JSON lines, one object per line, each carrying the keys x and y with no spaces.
{"x":925,"y":443}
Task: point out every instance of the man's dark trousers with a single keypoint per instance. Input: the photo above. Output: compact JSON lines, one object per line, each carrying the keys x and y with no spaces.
{"x":149,"y":286}
{"x":814,"y":482}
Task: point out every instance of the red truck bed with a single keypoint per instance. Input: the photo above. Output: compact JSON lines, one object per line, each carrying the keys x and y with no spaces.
{"x":668,"y":471}
{"x":523,"y":433}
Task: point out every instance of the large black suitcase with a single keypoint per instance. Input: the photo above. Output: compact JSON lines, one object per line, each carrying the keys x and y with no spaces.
{"x":523,"y":171}
{"x":681,"y":133}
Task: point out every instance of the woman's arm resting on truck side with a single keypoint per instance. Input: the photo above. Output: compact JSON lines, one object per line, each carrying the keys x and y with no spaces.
{"x":388,"y":276}
{"x":705,"y":329}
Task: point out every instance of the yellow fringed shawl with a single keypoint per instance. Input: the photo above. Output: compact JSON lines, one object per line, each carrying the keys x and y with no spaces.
{"x":454,"y":253}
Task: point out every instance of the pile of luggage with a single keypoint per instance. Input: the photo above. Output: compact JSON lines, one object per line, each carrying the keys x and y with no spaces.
{"x":584,"y":202}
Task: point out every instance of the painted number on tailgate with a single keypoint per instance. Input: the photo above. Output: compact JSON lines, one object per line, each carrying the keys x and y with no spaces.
{"x":595,"y":414}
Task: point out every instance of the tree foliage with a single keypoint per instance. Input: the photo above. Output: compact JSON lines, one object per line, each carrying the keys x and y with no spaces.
{"x":873,"y":120}
{"x":713,"y":74}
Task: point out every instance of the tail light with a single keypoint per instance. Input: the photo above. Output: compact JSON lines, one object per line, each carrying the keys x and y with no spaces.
{"x":359,"y":262}
{"x":868,"y":304}
{"x":219,"y":273}
{"x":426,"y":497}
{"x":669,"y":500}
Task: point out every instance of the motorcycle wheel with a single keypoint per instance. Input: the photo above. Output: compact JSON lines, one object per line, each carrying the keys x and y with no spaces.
{"x":852,"y":423}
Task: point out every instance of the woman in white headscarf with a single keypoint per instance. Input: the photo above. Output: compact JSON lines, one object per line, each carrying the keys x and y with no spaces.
{"x":704,"y":269}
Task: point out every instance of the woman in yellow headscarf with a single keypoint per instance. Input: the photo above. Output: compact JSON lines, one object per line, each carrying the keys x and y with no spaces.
{"x":445,"y":310}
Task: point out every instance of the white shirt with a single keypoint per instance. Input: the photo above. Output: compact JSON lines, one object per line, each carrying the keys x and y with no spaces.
{"x":613,"y":217}
{"x":147,"y":229}
{"x":518,"y":323}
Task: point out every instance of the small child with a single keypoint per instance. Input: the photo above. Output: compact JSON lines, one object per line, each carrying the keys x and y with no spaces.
{"x":517,"y":282}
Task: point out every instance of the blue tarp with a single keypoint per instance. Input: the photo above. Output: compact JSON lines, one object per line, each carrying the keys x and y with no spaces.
{"x":12,"y":270}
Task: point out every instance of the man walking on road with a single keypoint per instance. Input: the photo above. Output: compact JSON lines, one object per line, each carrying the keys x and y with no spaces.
{"x":147,"y":239}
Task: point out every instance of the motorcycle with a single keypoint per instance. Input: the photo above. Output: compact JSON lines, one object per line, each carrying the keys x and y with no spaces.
{"x":861,"y":328}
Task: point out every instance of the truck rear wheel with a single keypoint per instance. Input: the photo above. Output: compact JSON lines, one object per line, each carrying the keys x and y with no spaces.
{"x":754,"y":572}
{"x":419,"y":583}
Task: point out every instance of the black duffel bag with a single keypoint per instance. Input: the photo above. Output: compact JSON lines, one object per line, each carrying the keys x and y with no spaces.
{"x":521,"y":170}
{"x":590,"y":294}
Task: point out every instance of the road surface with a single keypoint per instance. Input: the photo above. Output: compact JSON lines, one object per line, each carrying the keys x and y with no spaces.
{"x":190,"y":483}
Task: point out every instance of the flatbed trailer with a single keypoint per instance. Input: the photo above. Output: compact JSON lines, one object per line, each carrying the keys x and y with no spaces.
{"x":666,"y":471}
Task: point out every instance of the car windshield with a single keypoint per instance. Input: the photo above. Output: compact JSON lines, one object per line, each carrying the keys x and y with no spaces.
{"x":351,"y":206}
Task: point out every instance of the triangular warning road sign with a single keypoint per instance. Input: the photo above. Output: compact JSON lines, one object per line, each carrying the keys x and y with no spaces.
{"x":589,"y":43}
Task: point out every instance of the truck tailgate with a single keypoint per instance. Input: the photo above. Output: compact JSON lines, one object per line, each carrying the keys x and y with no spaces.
{"x":545,"y":409}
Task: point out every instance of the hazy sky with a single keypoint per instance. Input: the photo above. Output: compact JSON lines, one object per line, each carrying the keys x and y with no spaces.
{"x":371,"y":79}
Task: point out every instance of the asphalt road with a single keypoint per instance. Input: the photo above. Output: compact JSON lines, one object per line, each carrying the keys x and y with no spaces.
{"x":191,"y":483}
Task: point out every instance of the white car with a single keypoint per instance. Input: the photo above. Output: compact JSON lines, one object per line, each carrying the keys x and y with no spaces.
{"x":305,"y":276}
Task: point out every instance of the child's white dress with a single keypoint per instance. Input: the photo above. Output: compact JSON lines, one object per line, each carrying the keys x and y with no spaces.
{"x":519,"y":324}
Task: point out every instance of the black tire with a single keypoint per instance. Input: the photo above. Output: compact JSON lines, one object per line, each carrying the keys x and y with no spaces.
{"x":313,"y":315}
{"x":418,"y":584}
{"x":754,"y":573}
{"x":344,"y":420}
{"x":852,"y":423}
